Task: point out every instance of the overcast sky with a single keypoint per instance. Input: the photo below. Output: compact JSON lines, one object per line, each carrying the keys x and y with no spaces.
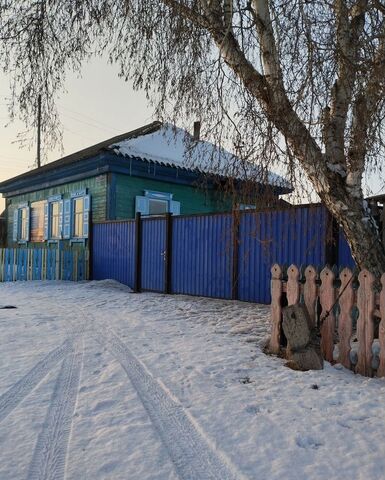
{"x":97,"y":106}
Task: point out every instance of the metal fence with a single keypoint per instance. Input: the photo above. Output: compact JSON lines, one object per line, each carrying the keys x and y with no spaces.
{"x":43,"y":264}
{"x":225,"y":255}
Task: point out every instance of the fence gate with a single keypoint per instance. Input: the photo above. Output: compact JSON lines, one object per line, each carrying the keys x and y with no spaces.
{"x":154,"y":254}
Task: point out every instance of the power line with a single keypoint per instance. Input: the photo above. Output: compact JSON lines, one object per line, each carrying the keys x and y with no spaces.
{"x":104,"y":125}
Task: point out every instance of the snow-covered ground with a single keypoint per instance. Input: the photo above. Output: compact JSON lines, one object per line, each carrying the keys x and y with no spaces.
{"x":99,"y":383}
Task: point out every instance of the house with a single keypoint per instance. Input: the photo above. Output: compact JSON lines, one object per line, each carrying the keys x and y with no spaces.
{"x":152,"y":170}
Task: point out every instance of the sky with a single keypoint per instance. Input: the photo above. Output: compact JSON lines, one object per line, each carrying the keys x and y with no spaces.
{"x":97,"y":105}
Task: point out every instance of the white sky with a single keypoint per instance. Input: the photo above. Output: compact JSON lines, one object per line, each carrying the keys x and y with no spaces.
{"x":98,"y":105}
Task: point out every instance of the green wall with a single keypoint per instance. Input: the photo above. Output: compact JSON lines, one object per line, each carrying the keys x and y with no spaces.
{"x":192,"y":200}
{"x":97,"y":188}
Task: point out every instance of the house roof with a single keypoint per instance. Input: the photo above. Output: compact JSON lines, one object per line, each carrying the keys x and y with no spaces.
{"x":161,"y":144}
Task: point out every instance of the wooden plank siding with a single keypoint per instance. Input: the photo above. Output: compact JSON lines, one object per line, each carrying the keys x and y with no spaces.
{"x":97,"y":189}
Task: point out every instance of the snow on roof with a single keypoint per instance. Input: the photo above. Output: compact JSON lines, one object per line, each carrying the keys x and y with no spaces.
{"x":176,"y":147}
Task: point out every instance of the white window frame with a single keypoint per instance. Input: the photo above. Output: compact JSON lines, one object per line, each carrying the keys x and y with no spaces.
{"x":142,"y":203}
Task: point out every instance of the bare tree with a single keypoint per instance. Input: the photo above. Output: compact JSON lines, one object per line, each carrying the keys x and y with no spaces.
{"x":294,"y":83}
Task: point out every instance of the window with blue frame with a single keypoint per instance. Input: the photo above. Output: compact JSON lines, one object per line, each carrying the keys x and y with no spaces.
{"x":21,"y":221}
{"x":55,"y":224}
{"x":53,"y":218}
{"x":156,"y":203}
{"x":76,"y":216}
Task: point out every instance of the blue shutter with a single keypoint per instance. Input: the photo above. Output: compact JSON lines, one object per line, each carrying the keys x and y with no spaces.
{"x":67,"y":218}
{"x":15,"y":225}
{"x":142,"y":205}
{"x":86,"y":215}
{"x":174,"y":207}
{"x":27,"y":222}
{"x":46,"y":221}
{"x":61,"y":226}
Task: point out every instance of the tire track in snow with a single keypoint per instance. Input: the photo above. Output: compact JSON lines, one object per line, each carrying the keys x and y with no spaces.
{"x":49,"y":458}
{"x":21,"y":389}
{"x":190,"y":451}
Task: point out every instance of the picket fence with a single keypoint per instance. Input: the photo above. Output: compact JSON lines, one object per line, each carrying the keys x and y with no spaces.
{"x":43,"y":264}
{"x":353,"y":334}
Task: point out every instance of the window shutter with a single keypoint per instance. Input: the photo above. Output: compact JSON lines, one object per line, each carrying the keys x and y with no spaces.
{"x":174,"y":207}
{"x":15,"y":225}
{"x":28,"y":223}
{"x":61,"y":226}
{"x":86,"y":215}
{"x":67,"y":218}
{"x":46,"y":220}
{"x":142,"y":205}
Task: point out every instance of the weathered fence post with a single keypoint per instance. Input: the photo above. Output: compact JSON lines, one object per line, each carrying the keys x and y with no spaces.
{"x":381,"y":330}
{"x":276,"y":309}
{"x":365,"y":327}
{"x":345,"y":325}
{"x":310,"y":292}
{"x":292,"y":290}
{"x":327,"y":299}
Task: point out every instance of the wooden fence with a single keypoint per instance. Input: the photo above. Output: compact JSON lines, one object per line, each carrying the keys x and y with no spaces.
{"x":43,"y":264}
{"x":353,"y":333}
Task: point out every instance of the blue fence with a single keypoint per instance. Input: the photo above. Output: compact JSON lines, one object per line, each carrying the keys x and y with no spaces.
{"x":43,"y":264}
{"x":217,"y":255}
{"x":345,"y":258}
{"x":113,"y":251}
{"x":297,"y":235}
{"x":202,"y":255}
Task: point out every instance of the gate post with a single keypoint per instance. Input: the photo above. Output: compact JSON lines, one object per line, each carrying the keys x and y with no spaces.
{"x":138,"y":253}
{"x":236,"y":220}
{"x":168,"y":253}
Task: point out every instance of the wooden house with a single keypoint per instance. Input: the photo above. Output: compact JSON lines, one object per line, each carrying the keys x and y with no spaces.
{"x":152,"y":170}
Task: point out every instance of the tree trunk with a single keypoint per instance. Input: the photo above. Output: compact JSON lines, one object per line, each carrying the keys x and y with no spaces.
{"x":362,"y":235}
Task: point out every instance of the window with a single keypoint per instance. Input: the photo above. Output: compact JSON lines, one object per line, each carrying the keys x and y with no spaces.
{"x":55,"y":223}
{"x":53,"y":218}
{"x":37,"y":222}
{"x":156,"y":203}
{"x":157,"y":207}
{"x":21,"y":223}
{"x":78,"y":217}
{"x":23,"y":232}
{"x":245,"y":206}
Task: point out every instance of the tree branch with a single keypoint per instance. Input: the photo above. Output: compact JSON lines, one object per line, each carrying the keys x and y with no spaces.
{"x":364,"y":111}
{"x":347,"y":39}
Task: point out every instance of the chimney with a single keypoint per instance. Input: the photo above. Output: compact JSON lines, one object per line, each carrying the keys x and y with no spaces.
{"x":197,"y":131}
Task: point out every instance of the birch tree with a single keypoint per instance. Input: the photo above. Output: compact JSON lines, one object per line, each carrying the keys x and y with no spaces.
{"x":292,"y":83}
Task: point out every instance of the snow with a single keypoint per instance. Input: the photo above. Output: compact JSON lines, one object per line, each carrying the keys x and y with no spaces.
{"x":99,"y":383}
{"x":175,"y":147}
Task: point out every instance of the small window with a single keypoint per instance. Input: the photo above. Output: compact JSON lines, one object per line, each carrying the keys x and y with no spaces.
{"x":78,"y":217}
{"x":244,"y":206}
{"x":156,"y":203}
{"x":157,"y":207}
{"x":55,"y":230}
{"x":37,"y":221}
